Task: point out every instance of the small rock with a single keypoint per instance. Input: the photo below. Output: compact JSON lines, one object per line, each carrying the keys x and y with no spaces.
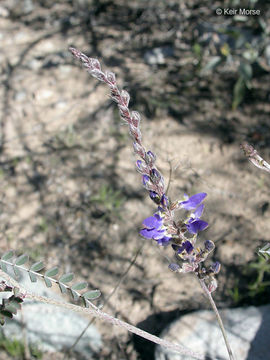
{"x":50,"y":327}
{"x":4,"y":12}
{"x":157,"y":56}
{"x":44,"y":94}
{"x":20,"y":96}
{"x":247,"y":329}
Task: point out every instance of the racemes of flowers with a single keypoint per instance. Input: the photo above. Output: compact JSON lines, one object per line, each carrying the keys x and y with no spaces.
{"x":162,"y":227}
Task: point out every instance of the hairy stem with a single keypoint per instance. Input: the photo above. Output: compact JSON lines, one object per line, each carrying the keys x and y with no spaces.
{"x":107,"y":298}
{"x":94,"y":311}
{"x":220,"y":323}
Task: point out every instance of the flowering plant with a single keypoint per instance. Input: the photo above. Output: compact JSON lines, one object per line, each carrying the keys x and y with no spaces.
{"x":162,"y":226}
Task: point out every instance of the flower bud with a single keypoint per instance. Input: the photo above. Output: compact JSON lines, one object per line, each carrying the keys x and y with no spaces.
{"x":98,"y":75}
{"x":209,"y":245}
{"x":111,"y":77}
{"x":125,"y":97}
{"x":164,"y":201}
{"x":135,"y":133}
{"x":138,"y":149}
{"x":155,"y":197}
{"x":174,"y":267}
{"x":141,"y":166}
{"x":147,"y":183}
{"x":136,"y":118}
{"x":150,"y":158}
{"x":155,"y":175}
{"x":212,"y":285}
{"x":95,"y":64}
{"x":215,"y":267}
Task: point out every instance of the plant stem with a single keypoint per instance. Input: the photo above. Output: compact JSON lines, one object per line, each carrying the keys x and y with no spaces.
{"x":94,"y":311}
{"x":220,"y":323}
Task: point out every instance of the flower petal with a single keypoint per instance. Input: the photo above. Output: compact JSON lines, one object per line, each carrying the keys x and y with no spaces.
{"x":148,"y":234}
{"x":164,"y":241}
{"x":198,"y":212}
{"x":185,"y":246}
{"x":158,"y":234}
{"x":153,"y":222}
{"x":196,"y":225}
{"x":193,"y":201}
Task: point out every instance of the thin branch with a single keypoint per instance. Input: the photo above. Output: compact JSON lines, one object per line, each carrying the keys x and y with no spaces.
{"x":103,"y":316}
{"x":254,"y":157}
{"x":220,"y":323}
{"x":123,"y":276}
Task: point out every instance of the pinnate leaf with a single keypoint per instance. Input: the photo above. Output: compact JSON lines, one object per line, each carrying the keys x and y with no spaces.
{"x":79,"y":286}
{"x":47,"y":282}
{"x":21,"y":260}
{"x":66,"y":278}
{"x":75,"y":295}
{"x":62,"y":288}
{"x":7,"y":255}
{"x":92,"y":294}
{"x":16,"y":271}
{"x":52,"y":272}
{"x":32,"y":276}
{"x":37,"y":266}
{"x":3,"y":266}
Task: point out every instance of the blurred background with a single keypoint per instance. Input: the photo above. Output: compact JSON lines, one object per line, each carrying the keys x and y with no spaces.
{"x":69,"y":190}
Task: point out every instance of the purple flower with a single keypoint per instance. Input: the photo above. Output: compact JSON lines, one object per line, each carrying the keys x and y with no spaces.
{"x":196,"y":225}
{"x":185,"y":246}
{"x":153,"y":222}
{"x":154,"y":230}
{"x":198,"y":212}
{"x":193,"y":201}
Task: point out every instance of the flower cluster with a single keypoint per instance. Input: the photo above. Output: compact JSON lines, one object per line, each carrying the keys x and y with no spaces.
{"x":161,"y":227}
{"x":182,"y":236}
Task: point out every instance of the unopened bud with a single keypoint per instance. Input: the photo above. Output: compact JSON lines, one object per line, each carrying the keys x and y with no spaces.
{"x":174,"y":267}
{"x":155,"y":197}
{"x":125,"y":97}
{"x":150,"y":158}
{"x":209,"y":245}
{"x":98,"y":75}
{"x":212,"y":285}
{"x":164,"y":201}
{"x":215,"y":267}
{"x":95,"y":64}
{"x":155,"y":175}
{"x":135,"y":133}
{"x":147,"y":183}
{"x":141,"y":166}
{"x":110,"y":77}
{"x":139,"y":149}
{"x":136,"y":118}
